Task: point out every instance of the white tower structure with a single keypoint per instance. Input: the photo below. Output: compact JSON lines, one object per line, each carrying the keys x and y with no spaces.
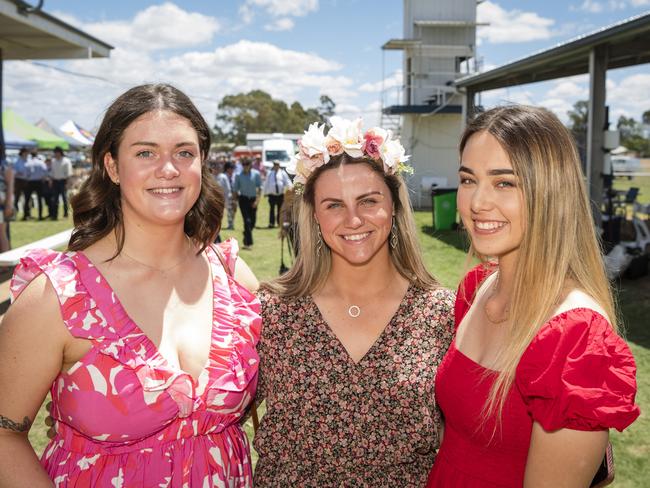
{"x":438,"y":47}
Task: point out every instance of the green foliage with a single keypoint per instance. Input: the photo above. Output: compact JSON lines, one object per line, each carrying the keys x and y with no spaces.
{"x":257,"y":111}
{"x":631,"y":136}
{"x":578,"y":121}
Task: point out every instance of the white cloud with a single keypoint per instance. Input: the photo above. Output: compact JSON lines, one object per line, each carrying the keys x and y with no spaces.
{"x":206,"y":76}
{"x":569,"y":89}
{"x":631,"y":94}
{"x":591,"y":6}
{"x":596,"y":7}
{"x":396,"y":79}
{"x":281,"y":24}
{"x":155,"y":28}
{"x":278,"y":10}
{"x":511,"y":25}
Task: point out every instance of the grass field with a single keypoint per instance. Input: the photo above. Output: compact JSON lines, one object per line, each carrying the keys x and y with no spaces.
{"x":444,"y":253}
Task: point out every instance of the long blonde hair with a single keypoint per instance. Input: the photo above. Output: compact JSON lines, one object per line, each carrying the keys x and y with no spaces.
{"x":311,"y":268}
{"x":560,"y":248}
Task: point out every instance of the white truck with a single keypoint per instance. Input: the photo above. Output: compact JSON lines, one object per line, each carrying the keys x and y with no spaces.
{"x":277,"y":149}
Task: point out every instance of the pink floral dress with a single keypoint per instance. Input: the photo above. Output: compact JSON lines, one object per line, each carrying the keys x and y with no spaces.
{"x":127,"y":418}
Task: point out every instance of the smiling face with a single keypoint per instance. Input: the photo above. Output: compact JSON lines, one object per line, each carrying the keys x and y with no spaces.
{"x":354,"y":209}
{"x":490,"y":202}
{"x":158,"y":168}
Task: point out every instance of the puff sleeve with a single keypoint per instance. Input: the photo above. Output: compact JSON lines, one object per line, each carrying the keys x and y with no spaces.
{"x":578,"y":374}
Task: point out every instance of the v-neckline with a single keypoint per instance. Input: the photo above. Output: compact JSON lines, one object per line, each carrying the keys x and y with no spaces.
{"x":156,"y":351}
{"x":380,"y":338}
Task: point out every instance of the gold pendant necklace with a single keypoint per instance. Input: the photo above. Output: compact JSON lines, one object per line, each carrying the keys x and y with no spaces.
{"x":161,"y":270}
{"x":506,"y":311}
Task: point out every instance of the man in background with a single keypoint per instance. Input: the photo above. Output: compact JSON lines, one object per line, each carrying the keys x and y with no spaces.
{"x":277,"y":181}
{"x":60,"y":173}
{"x":225,"y":179}
{"x":20,"y":177}
{"x":37,"y":173}
{"x":247,"y":190}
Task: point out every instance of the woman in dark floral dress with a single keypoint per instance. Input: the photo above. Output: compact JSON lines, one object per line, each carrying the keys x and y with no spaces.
{"x":354,"y":332}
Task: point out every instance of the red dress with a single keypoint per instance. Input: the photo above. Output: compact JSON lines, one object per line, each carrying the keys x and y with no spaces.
{"x":576,"y":374}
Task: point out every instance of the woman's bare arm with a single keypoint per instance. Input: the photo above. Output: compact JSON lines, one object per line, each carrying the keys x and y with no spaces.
{"x":564,"y":458}
{"x":32,"y":341}
{"x":245,"y":276}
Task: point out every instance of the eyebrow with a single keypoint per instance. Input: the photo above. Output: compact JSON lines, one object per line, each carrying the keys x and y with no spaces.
{"x":153,"y":144}
{"x":360,"y":197}
{"x":492,"y":172}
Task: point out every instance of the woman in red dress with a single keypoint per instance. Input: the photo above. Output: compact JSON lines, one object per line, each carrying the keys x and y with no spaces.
{"x":537,"y":372}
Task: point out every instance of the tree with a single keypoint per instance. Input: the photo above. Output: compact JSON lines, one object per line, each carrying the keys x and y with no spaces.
{"x":645,"y":118}
{"x":257,"y":111}
{"x":326,"y":108}
{"x":578,"y":121}
{"x":627,"y":127}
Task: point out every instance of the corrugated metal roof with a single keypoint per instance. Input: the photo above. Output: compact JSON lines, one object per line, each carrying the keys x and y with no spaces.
{"x":628,"y":42}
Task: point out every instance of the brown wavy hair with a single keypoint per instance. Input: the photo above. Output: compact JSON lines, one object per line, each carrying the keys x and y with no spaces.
{"x":97,"y":210}
{"x":310,"y":271}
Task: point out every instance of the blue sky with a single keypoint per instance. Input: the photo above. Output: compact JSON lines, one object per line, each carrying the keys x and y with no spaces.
{"x":297,"y":50}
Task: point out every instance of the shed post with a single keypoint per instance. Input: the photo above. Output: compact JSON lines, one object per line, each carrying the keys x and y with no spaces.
{"x":596,"y":126}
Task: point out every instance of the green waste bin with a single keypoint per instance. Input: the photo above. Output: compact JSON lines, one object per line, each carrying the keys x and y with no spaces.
{"x":444,"y":208}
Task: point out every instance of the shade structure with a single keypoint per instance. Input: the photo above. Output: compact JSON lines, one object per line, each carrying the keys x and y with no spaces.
{"x":19,"y":126}
{"x":81,"y":135}
{"x":12,"y":141}
{"x":46,"y":126}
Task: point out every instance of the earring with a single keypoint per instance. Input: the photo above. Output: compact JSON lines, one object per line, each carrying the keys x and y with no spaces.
{"x":393,"y":235}
{"x":319,"y":242}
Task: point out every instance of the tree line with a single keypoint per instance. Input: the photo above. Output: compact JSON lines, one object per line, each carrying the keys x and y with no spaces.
{"x":631,"y":130}
{"x":257,"y":111}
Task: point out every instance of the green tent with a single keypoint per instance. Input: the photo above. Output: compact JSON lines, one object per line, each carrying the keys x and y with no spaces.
{"x":19,"y":126}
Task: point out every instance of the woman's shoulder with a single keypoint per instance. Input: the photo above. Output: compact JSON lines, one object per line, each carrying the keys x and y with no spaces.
{"x":271,"y":300}
{"x":432,"y":307}
{"x":59,"y":267}
{"x":434,"y":298}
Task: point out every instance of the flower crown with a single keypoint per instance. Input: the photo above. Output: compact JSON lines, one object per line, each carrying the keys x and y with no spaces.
{"x":316,"y":148}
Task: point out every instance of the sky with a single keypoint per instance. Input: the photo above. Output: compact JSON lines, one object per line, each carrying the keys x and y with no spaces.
{"x":298,"y":50}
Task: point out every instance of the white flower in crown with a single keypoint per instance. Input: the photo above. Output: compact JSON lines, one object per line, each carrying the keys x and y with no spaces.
{"x":345,"y":135}
{"x":392,"y":154}
{"x":312,"y":154}
{"x":313,"y":142}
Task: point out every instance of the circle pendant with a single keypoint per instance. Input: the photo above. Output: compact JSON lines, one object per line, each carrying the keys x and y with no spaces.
{"x":354,"y":311}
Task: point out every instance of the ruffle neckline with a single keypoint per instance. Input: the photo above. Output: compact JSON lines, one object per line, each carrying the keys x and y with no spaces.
{"x":232,"y":362}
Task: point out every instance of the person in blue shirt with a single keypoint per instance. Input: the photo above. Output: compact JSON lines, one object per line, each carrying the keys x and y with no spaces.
{"x":20,"y":176}
{"x":247,"y":189}
{"x":36,"y":173}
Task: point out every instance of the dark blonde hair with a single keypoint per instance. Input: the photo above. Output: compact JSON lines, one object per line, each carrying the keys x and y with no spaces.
{"x":310,"y":270}
{"x":97,"y":209}
{"x":559,"y":248}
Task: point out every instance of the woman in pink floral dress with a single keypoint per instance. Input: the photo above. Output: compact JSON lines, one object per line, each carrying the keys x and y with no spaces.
{"x":141,"y":330}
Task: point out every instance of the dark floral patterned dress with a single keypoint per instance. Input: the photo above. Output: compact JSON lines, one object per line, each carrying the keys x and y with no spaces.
{"x":333,"y":422}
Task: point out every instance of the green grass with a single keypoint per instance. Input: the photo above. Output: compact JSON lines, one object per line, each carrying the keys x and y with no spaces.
{"x":444,"y":253}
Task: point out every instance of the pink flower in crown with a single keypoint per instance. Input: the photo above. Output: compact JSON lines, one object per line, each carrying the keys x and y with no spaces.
{"x":345,"y":135}
{"x":373,"y":140}
{"x":334,"y":147}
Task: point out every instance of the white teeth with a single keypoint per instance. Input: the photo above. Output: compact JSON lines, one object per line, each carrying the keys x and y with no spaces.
{"x":164,"y":191}
{"x":488,"y":225}
{"x":356,"y":237}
